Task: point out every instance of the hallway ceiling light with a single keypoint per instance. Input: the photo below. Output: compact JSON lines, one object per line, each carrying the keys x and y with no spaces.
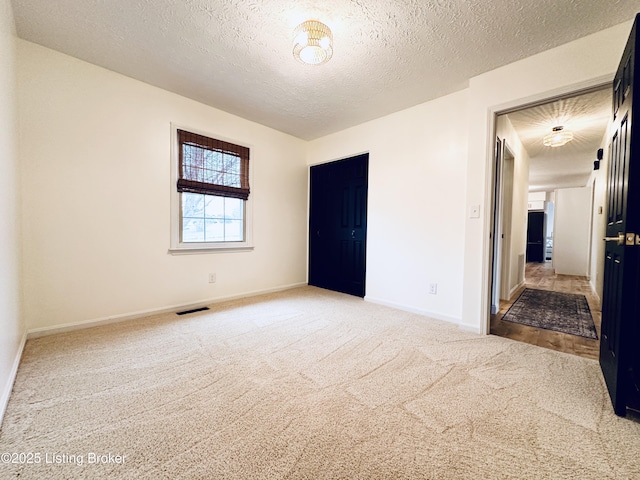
{"x":558,"y":137}
{"x":312,"y":43}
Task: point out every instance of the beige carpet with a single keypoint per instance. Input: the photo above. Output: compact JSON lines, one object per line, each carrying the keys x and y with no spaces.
{"x":309,"y":384}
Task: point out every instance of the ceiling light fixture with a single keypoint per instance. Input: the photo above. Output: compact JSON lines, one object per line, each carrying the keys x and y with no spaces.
{"x":558,"y":137}
{"x":312,"y":42}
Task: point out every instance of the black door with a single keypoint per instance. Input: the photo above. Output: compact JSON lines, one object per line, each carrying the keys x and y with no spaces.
{"x":536,"y":237}
{"x":620,"y":342}
{"x":338,"y":225}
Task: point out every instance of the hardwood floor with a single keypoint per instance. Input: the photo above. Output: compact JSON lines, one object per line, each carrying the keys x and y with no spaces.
{"x":542,"y":276}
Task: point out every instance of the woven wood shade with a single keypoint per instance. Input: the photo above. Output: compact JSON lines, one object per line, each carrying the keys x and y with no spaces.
{"x":212,"y":167}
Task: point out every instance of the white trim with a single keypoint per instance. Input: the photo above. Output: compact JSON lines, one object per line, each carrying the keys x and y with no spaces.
{"x":419,"y":311}
{"x":197,"y":249}
{"x":175,"y":246}
{"x":553,"y":94}
{"x":594,"y":292}
{"x":69,"y":327}
{"x":338,"y":159}
{"x":515,"y":289}
{"x":6,"y":392}
{"x":470,"y":328}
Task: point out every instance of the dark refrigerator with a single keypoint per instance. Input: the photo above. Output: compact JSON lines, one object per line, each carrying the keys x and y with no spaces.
{"x":536,"y":237}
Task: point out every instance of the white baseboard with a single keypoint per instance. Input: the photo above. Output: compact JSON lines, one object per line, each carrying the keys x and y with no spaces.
{"x":68,"y":327}
{"x":471,"y":328}
{"x":515,"y":289}
{"x":406,"y":308}
{"x":6,"y":392}
{"x":593,"y":290}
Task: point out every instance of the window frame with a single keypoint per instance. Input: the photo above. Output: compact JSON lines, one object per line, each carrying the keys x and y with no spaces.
{"x":177,"y":247}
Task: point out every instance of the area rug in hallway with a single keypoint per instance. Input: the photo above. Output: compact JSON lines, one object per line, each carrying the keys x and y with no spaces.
{"x":562,"y":312}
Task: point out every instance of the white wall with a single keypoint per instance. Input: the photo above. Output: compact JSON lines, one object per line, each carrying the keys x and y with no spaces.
{"x":572,"y":236}
{"x":87,"y":135}
{"x":598,"y":183}
{"x":589,"y":61}
{"x":416,"y":206}
{"x":549,"y":207}
{"x":518,"y":236}
{"x":11,"y":326}
{"x":95,"y":164}
{"x":400,"y":279}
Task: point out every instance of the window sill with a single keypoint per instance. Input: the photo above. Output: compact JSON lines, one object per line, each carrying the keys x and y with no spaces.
{"x":199,"y":249}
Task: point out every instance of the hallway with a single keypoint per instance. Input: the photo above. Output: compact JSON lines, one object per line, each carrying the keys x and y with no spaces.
{"x":542,"y":276}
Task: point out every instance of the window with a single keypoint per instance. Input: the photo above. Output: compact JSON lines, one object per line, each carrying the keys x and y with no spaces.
{"x":210,"y":193}
{"x":209,"y":218}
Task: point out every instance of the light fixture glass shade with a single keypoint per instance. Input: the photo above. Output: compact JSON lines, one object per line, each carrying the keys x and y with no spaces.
{"x":312,"y":42}
{"x":558,"y":137}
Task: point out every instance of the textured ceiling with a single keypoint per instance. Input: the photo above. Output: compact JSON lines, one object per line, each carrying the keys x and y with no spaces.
{"x":236,"y":54}
{"x":586,"y":116}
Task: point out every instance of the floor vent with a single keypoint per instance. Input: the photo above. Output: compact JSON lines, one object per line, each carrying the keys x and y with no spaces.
{"x":192,"y":311}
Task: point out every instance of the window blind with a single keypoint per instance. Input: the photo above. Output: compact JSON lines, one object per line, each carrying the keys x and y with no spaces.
{"x":212,"y":167}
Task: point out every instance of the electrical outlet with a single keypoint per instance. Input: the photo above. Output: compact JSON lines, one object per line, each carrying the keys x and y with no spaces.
{"x":433,"y":288}
{"x":212,"y":278}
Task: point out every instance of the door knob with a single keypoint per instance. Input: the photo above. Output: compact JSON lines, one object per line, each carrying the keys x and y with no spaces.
{"x":619,"y":239}
{"x":353,"y":234}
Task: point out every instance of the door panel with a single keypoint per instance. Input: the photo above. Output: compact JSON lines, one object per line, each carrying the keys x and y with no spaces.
{"x":337,"y":225}
{"x":345,"y":211}
{"x":359,"y":196}
{"x":620,"y":331}
{"x":318,"y":204}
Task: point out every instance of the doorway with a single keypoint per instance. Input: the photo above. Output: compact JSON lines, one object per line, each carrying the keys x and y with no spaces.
{"x":550,"y":170}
